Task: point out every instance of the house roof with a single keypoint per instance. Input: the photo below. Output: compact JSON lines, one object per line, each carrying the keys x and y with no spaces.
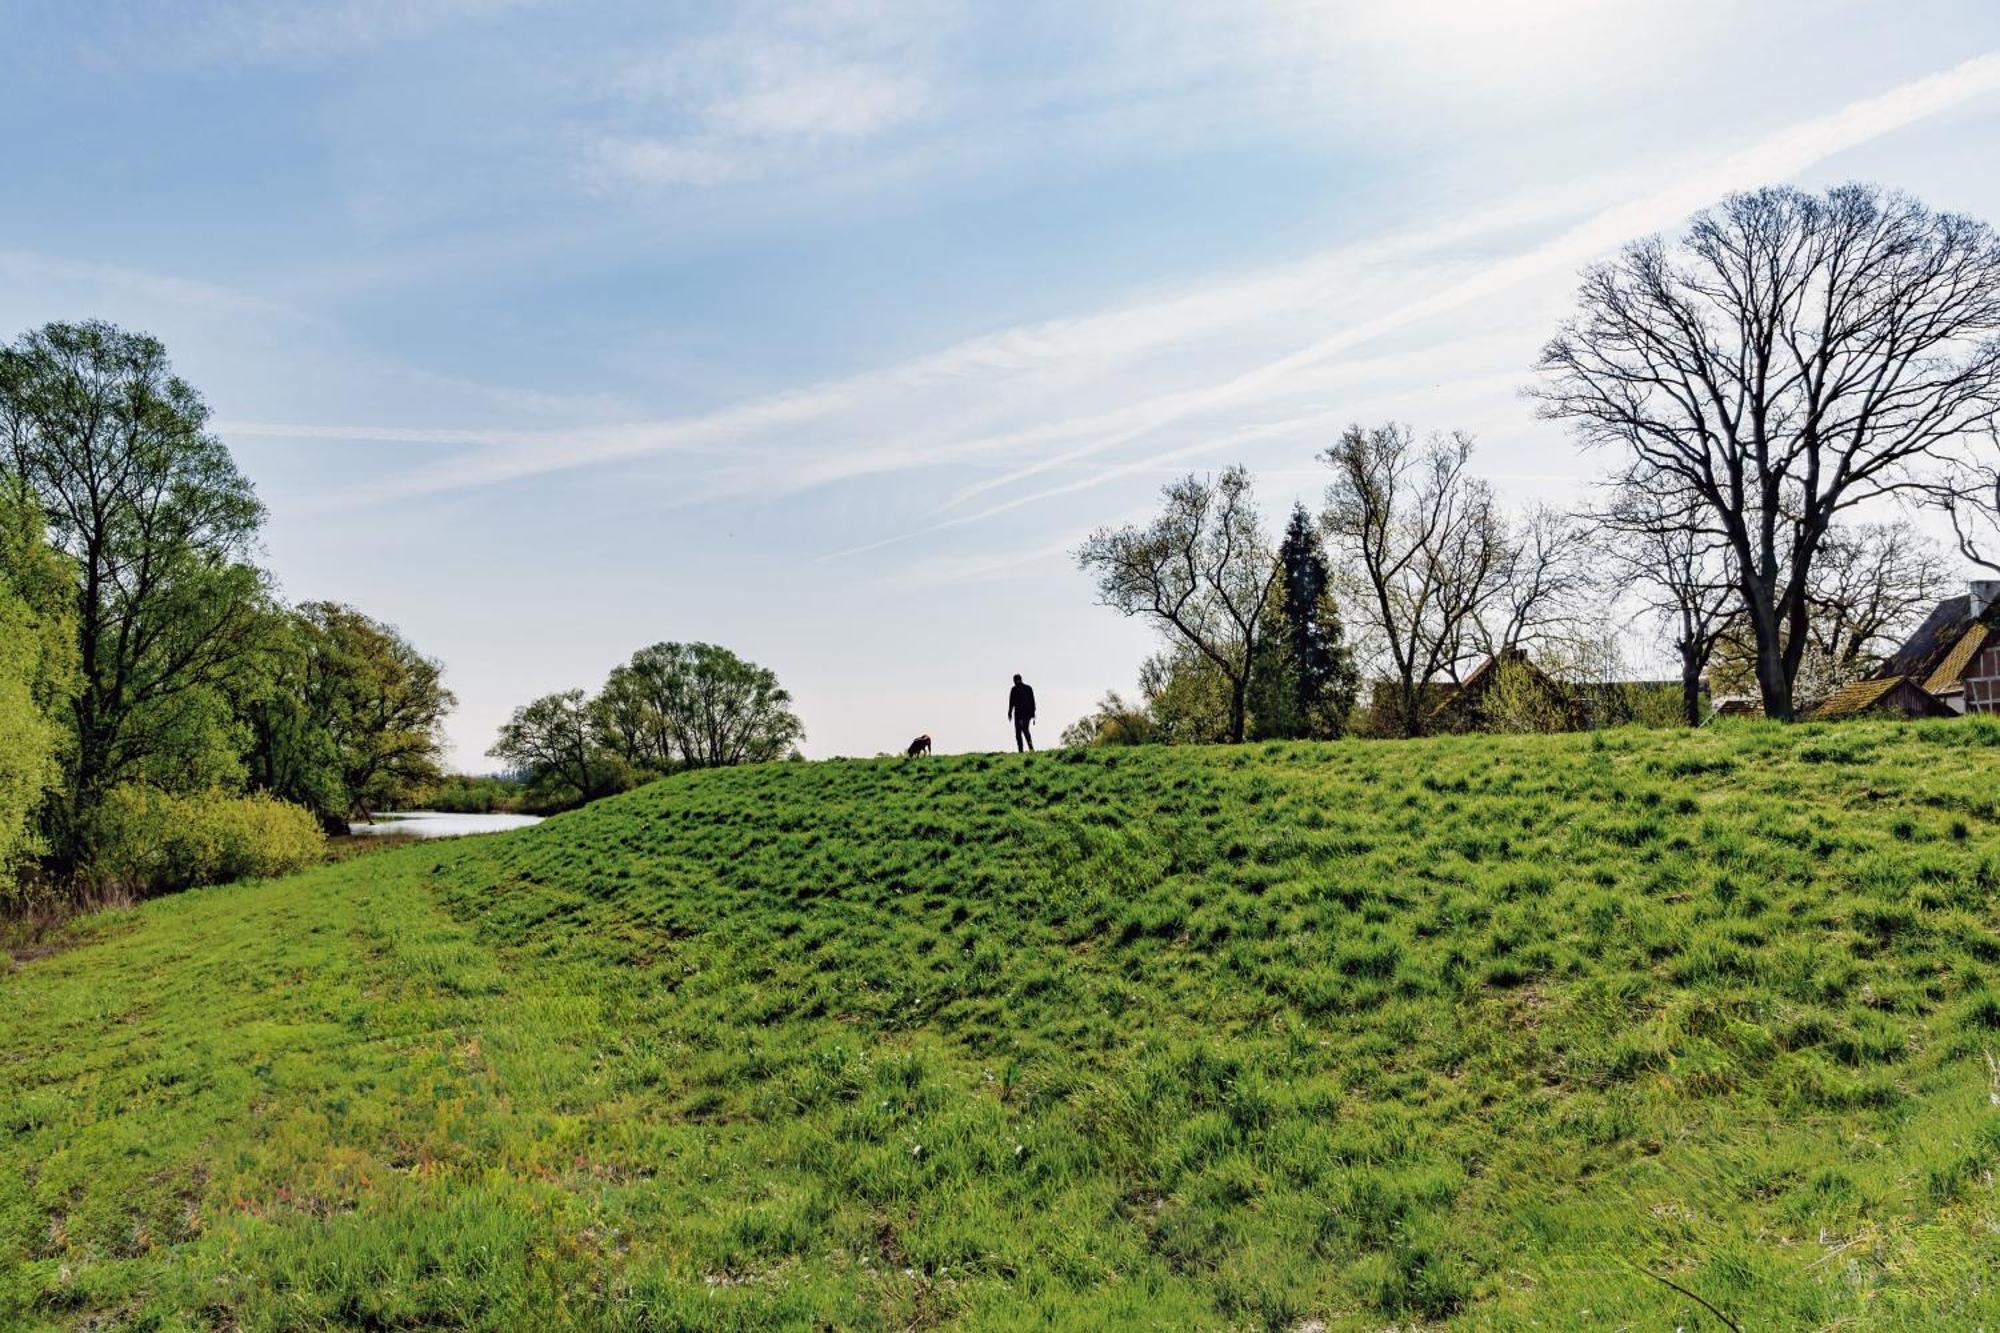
{"x":1899,"y":693}
{"x":1481,"y":678}
{"x":1859,"y":697}
{"x":1943,"y":646}
{"x":1462,"y":703}
{"x":1949,"y":673}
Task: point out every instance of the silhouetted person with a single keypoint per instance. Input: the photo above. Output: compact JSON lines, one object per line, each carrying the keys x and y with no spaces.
{"x":1021,"y":707}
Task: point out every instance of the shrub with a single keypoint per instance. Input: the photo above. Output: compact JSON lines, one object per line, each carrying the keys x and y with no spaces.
{"x":151,"y":841}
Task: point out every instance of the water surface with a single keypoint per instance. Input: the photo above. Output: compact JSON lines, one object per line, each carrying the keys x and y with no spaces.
{"x":442,"y":824}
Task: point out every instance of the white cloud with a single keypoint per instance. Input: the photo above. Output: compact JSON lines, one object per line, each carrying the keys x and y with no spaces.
{"x":795,"y":93}
{"x":763,"y":94}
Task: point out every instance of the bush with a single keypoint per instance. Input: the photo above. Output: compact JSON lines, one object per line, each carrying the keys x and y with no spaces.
{"x":153,"y":842}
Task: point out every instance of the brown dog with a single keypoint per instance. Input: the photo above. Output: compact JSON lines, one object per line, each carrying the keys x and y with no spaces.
{"x":921,"y":745}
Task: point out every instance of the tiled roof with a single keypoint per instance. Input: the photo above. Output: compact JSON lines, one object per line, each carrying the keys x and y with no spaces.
{"x":1859,"y":697}
{"x":1945,"y":676}
{"x":1944,"y":645}
{"x":1898,"y":692}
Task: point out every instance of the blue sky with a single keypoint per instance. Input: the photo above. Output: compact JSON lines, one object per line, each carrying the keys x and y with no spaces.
{"x":549,"y":330}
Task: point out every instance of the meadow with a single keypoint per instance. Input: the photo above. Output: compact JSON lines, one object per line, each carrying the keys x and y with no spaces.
{"x":1635,"y":1030}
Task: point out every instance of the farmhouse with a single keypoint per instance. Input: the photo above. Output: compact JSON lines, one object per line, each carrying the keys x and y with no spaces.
{"x":1950,"y":665}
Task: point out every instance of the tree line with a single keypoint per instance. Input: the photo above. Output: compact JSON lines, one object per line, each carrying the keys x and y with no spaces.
{"x":166,"y":717}
{"x":1778,"y":389}
{"x":1775,"y":389}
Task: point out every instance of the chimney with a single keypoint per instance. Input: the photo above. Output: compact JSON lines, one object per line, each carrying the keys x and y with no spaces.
{"x":1985,"y":592}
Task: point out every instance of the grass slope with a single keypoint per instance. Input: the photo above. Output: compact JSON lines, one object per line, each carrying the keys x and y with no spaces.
{"x":1462,"y":1031}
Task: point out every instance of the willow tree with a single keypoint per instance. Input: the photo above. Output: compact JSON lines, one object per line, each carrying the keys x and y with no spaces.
{"x":1791,"y":357}
{"x":347,"y":716}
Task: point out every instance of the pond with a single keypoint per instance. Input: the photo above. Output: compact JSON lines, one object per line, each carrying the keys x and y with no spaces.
{"x":442,"y":824}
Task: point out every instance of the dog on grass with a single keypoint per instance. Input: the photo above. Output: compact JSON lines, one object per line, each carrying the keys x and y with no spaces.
{"x":921,"y":745}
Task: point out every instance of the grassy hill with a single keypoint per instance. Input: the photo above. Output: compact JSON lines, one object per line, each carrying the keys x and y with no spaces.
{"x":1503,"y":1032}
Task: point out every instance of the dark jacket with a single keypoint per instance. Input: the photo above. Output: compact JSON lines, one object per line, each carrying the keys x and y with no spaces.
{"x":1021,"y":703}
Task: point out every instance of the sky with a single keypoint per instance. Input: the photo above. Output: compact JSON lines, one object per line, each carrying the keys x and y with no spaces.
{"x":827,"y":331}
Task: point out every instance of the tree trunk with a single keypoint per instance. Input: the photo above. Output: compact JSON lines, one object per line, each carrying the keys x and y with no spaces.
{"x":1690,"y":686}
{"x":1774,"y":681}
{"x":1771,"y":681}
{"x":1239,"y":692}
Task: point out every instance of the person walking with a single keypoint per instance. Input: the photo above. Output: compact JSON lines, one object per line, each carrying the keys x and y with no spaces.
{"x":1021,"y":707}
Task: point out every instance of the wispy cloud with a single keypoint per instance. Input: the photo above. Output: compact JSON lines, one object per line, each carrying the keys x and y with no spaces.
{"x":23,"y":267}
{"x":1778,"y":156}
{"x":780,"y":84}
{"x":1056,"y":394}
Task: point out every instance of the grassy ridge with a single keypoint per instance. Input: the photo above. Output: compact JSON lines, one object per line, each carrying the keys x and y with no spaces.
{"x":1471,"y":1029}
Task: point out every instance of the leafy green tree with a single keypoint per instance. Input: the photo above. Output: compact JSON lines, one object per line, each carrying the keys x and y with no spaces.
{"x":37,"y":675}
{"x":697,"y":705}
{"x":159,"y":525}
{"x":1304,"y":682}
{"x":629,"y":717}
{"x":382,"y":703}
{"x":552,"y":743}
{"x":350,"y":717}
{"x":1189,"y":699}
{"x":1112,"y":722}
{"x":287,"y":748}
{"x":1522,"y":699}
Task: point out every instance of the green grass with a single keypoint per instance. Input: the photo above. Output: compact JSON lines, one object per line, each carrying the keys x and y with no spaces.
{"x":1466,"y":1032}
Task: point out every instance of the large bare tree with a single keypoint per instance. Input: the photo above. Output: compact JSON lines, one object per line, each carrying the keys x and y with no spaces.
{"x":1201,"y":571}
{"x":1970,"y":499}
{"x":1791,"y":357}
{"x":1423,"y":548}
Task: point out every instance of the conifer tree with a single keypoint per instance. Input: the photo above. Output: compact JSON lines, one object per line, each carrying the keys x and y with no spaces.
{"x":1305,"y":685}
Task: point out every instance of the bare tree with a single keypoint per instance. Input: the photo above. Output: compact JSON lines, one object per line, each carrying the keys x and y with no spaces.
{"x":1548,"y":592}
{"x":1870,"y":584}
{"x":1424,"y":548}
{"x":1201,"y":571}
{"x":1793,"y":356}
{"x":1679,"y":571}
{"x":1970,"y":499}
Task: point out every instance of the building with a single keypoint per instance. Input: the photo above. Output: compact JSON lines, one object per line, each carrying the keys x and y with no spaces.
{"x":1508,"y":693}
{"x":1887,"y":696}
{"x":1950,"y":665}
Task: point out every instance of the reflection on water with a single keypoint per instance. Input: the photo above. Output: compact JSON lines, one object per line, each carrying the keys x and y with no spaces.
{"x":438,"y":824}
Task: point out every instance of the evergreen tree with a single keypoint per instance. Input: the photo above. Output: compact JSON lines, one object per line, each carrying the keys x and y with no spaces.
{"x":1305,"y":682}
